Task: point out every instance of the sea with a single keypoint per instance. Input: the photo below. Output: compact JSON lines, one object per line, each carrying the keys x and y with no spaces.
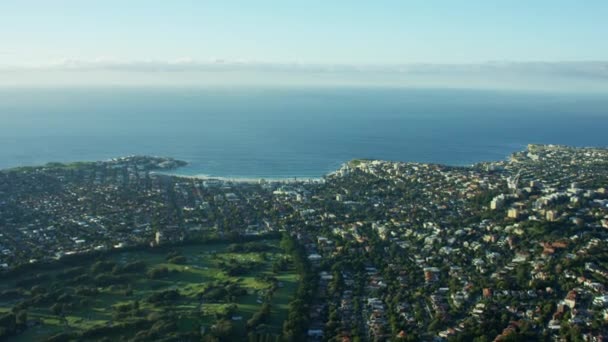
{"x":303,"y":132}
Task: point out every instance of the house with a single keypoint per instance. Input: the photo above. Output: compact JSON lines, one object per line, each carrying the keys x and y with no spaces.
{"x":513,"y":213}
{"x":552,"y":215}
{"x":601,"y":301}
{"x":570,"y":300}
{"x":315,"y":333}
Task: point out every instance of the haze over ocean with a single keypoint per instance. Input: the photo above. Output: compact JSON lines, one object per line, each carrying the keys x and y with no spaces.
{"x":290,"y":132}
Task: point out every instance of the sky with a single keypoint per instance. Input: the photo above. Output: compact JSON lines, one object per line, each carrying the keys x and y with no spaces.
{"x":284,"y":41}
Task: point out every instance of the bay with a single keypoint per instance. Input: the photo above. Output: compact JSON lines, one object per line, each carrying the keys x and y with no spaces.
{"x":289,"y":132}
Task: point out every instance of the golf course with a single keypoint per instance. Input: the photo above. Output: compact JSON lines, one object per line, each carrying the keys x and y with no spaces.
{"x":217,"y":290}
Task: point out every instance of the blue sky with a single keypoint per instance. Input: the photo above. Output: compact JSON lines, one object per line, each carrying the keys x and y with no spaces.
{"x":337,"y":32}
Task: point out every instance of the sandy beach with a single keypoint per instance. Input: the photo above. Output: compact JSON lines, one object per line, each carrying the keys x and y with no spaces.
{"x":245,"y":180}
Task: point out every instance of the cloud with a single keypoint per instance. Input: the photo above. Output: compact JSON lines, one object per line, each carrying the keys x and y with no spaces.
{"x":581,"y":76}
{"x":7,"y":53}
{"x":593,"y":69}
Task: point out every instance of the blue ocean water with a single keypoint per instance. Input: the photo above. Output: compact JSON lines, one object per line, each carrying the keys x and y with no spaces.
{"x":293,"y":132}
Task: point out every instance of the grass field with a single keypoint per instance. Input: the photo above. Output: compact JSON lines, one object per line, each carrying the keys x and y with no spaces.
{"x":202,"y":267}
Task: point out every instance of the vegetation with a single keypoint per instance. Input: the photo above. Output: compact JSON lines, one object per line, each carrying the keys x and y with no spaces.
{"x":294,"y":328}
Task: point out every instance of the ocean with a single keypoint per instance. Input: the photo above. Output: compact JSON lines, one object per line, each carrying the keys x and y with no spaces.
{"x":289,"y":132}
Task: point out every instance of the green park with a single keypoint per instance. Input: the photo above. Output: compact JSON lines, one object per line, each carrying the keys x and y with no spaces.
{"x":214,"y":291}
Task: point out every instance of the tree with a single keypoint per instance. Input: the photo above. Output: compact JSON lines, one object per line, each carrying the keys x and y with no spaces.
{"x":56,"y":309}
{"x":8,"y":325}
{"x":21,"y":318}
{"x":259,"y":317}
{"x":222,"y":329}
